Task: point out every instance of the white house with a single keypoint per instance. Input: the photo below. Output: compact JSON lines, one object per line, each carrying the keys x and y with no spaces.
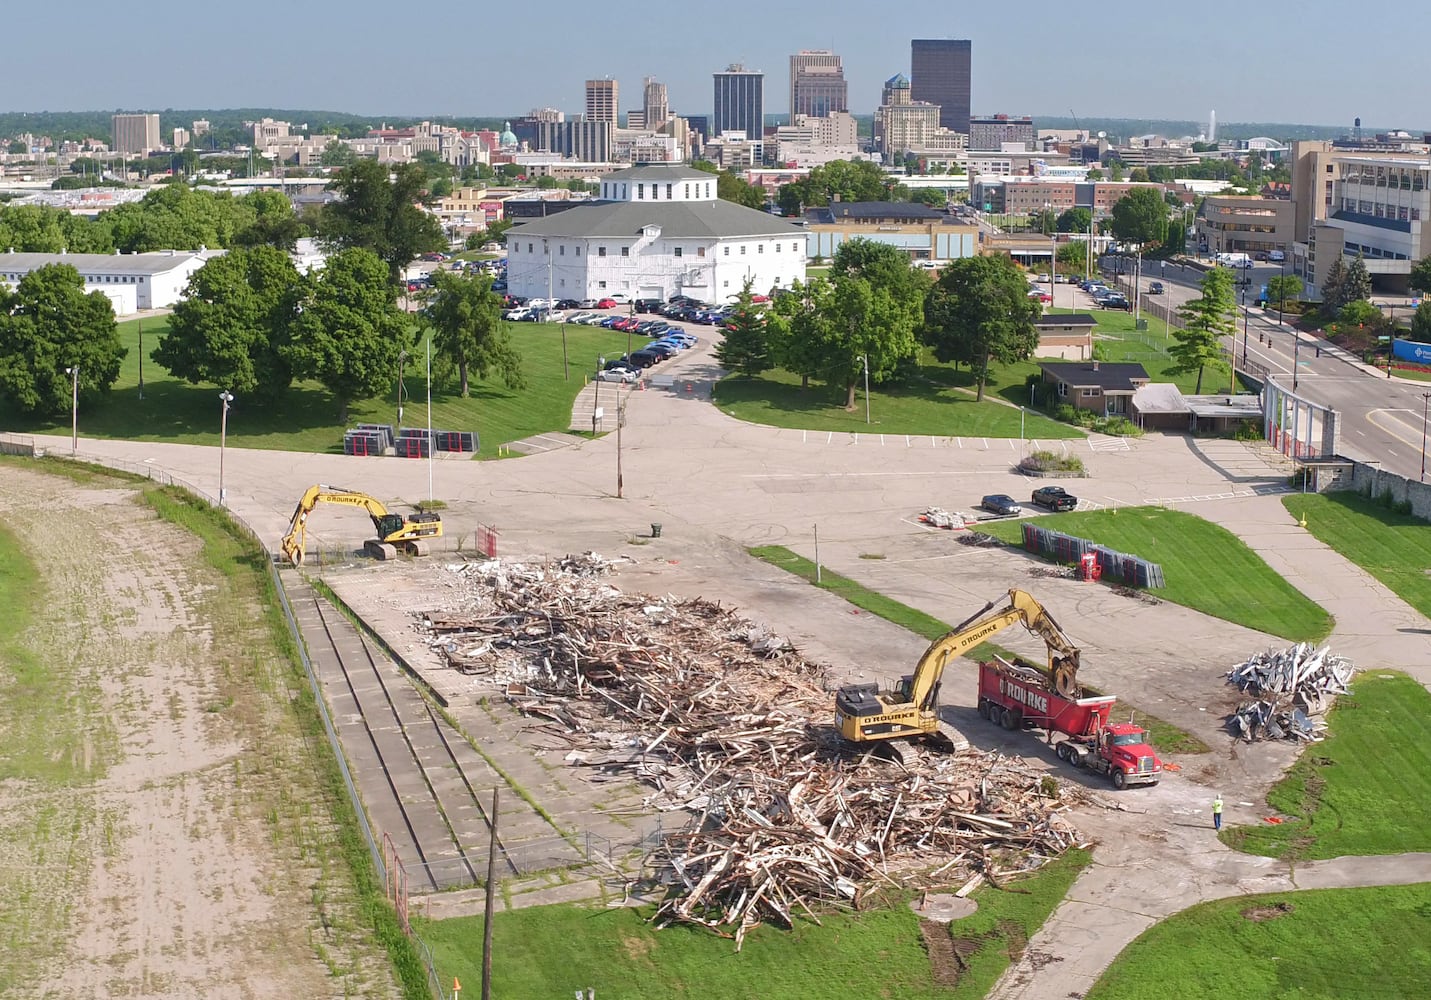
{"x":131,"y":281}
{"x":657,"y":231}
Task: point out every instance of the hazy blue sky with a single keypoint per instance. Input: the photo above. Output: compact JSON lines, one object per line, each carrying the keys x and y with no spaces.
{"x":1250,"y":61}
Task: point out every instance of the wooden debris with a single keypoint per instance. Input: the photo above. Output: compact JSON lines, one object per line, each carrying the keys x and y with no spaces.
{"x":728,"y":723}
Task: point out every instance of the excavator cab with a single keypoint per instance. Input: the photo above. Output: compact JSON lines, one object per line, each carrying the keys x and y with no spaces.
{"x":387,"y":524}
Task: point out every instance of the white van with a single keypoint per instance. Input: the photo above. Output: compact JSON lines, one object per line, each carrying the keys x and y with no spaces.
{"x":1234,"y":260}
{"x":1276,"y":256}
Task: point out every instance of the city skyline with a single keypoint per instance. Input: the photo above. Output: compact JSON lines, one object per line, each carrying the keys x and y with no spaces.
{"x":1252,"y":64}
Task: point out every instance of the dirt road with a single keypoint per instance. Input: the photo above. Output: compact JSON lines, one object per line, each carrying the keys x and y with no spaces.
{"x":163,"y":831}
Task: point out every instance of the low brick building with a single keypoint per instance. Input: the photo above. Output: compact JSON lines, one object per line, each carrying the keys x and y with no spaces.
{"x":1103,"y":387}
{"x":1065,"y":335}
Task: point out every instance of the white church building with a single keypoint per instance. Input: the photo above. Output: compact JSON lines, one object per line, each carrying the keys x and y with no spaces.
{"x":657,"y":231}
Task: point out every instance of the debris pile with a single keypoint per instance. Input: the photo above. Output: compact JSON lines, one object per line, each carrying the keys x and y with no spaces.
{"x":938,"y":517}
{"x":729,"y":723}
{"x":1291,"y":686}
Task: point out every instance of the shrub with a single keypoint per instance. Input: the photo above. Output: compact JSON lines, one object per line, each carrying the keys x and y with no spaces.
{"x":1050,"y":461}
{"x":1117,"y":426}
{"x":1248,"y":430}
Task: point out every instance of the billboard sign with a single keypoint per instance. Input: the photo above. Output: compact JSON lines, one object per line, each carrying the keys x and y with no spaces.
{"x":1410,"y":350}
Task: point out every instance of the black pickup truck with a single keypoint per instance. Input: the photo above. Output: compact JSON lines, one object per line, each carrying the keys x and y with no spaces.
{"x":1054,"y":498}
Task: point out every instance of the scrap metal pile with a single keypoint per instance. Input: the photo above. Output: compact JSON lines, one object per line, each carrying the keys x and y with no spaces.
{"x":1291,"y":687}
{"x":730,"y":724}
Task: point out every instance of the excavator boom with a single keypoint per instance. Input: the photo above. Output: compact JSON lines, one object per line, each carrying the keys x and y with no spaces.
{"x":395,"y":532}
{"x":863,"y":714}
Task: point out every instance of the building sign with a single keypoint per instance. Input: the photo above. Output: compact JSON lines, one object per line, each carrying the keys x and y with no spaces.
{"x":1410,"y":350}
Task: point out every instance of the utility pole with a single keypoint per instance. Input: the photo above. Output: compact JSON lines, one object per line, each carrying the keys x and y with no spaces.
{"x":487,"y":909}
{"x":620,"y":419}
{"x":141,"y":359}
{"x":866,"y":359}
{"x":225,"y":398}
{"x":74,"y":374}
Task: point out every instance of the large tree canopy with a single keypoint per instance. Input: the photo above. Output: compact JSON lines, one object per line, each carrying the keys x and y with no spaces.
{"x":842,"y":180}
{"x":231,"y":328}
{"x":1141,"y":217}
{"x":380,"y":214}
{"x":745,"y":346}
{"x":466,"y":320}
{"x":349,"y":332}
{"x":1206,"y":320}
{"x":979,"y":312}
{"x":47,"y":324}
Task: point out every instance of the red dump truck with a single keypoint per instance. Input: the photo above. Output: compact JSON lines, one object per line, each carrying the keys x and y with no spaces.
{"x":1022,"y":697}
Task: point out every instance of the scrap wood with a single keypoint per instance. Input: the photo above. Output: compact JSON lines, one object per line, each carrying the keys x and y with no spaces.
{"x":723,"y":720}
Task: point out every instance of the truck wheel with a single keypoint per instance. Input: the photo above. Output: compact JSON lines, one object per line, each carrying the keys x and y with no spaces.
{"x":1120,"y":780}
{"x":983,"y":709}
{"x":1010,"y":719}
{"x":1062,"y":751}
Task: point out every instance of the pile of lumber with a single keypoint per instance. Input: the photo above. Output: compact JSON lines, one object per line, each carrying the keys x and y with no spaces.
{"x":1292,"y":686}
{"x":727,"y":722}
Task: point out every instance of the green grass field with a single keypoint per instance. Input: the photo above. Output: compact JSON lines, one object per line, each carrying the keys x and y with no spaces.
{"x":1206,"y":567}
{"x":554,"y":951}
{"x":1329,"y":944}
{"x":1394,"y":548}
{"x":939,"y":400}
{"x":1117,"y":338}
{"x":1366,"y":789}
{"x":307,"y":419}
{"x":1164,"y":734}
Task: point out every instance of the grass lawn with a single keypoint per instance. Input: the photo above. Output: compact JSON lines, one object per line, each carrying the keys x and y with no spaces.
{"x":1330,"y":944}
{"x":554,"y":951}
{"x":1366,"y":789}
{"x":937,"y":401}
{"x":307,"y":419}
{"x":1117,"y":338}
{"x":1164,"y":735}
{"x":1394,"y":548}
{"x":1207,"y":568}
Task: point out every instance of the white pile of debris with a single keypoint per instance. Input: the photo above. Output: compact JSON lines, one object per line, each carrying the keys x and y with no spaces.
{"x":1291,"y":687}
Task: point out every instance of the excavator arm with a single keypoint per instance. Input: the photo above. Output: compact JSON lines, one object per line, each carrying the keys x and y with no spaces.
{"x":390,"y":527}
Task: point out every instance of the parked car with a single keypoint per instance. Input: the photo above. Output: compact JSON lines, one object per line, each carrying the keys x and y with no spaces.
{"x":1115,"y":300}
{"x":568,"y":304}
{"x":605,"y":303}
{"x":1002,"y":504}
{"x":1054,"y":498}
{"x":647,"y":305}
{"x":662,"y":348}
{"x":610,"y":321}
{"x":539,"y":303}
{"x":516,"y":315}
{"x":1155,"y":288}
{"x":1276,"y":256}
{"x":1042,"y":296}
{"x":554,"y":316}
{"x":645,"y":358}
{"x":619,"y":373}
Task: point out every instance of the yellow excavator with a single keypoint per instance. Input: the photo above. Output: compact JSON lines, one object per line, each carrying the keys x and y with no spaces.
{"x":864,"y":715}
{"x":396,"y":533}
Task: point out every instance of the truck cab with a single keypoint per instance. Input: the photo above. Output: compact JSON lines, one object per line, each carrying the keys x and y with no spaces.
{"x":1128,"y":758}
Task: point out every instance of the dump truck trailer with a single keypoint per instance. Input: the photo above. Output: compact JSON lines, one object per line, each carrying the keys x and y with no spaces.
{"x":1017,"y":696}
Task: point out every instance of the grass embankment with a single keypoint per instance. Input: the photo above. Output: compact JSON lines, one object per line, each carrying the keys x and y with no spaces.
{"x":1394,"y":548}
{"x":269,"y":662}
{"x":1364,"y":790}
{"x":306,"y":419}
{"x":936,"y":400}
{"x":1205,"y":566}
{"x":1321,"y":944}
{"x":876,"y":953}
{"x":1164,"y":735}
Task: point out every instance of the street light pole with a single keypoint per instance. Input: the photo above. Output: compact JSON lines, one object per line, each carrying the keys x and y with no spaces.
{"x":74,"y":374}
{"x":1244,"y":328}
{"x":402,"y":358}
{"x":866,"y":359}
{"x":1425,"y":402}
{"x":141,"y":358}
{"x":225,"y":398}
{"x":1282,"y":292}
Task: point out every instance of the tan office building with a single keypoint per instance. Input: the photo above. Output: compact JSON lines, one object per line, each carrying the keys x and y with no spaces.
{"x":1245,"y":224}
{"x":601,"y":100}
{"x":135,"y":133}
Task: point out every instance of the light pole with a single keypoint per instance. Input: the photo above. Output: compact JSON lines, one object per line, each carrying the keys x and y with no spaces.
{"x":74,"y":374}
{"x":866,"y":359}
{"x":596,"y":393}
{"x":620,"y":419}
{"x":1282,"y":292}
{"x":225,"y":398}
{"x":141,"y":359}
{"x":402,"y":358}
{"x":1244,"y":328}
{"x":1425,"y":402}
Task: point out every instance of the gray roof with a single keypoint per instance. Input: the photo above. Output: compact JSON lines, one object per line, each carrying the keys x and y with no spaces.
{"x":1159,"y":397}
{"x":1104,"y":375}
{"x":108,"y":263}
{"x":867,"y":210}
{"x":678,"y":219}
{"x":661,"y":172}
{"x":1065,"y":319}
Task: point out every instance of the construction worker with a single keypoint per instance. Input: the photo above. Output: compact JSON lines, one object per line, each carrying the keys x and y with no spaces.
{"x":1217,"y":813}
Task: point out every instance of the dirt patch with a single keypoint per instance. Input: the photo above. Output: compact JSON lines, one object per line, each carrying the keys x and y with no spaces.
{"x":194,"y":856}
{"x":637,"y":949}
{"x":1015,"y":940}
{"x":1258,"y":914}
{"x":945,"y":956}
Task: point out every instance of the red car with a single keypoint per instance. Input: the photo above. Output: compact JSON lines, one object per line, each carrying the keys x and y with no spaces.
{"x":606,"y":303}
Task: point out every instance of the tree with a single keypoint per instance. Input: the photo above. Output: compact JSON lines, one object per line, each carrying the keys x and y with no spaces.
{"x":1138,"y":175}
{"x":466,"y":320}
{"x":799,"y":329}
{"x":1284,"y":287}
{"x":1334,"y":288}
{"x":49,"y":323}
{"x":850,"y":180}
{"x":933,"y":197}
{"x":1140,"y":217}
{"x":274,"y":224}
{"x":380,"y":214}
{"x":338,"y":154}
{"x":349,"y":332}
{"x":731,"y":188}
{"x":1073,"y":255}
{"x":231,"y":328}
{"x":1074,"y":220}
{"x":1421,"y":323}
{"x":1421,"y":276}
{"x":1206,"y":320}
{"x":1358,"y":282}
{"x":745,"y":348}
{"x":979,"y":312}
{"x":1045,"y":221}
{"x":17,"y":148}
{"x":1095,"y":174}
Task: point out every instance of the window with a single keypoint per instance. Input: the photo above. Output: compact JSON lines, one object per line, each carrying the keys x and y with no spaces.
{"x":678,"y":251}
{"x":655,"y":192}
{"x":562,"y":282}
{"x":777,"y":248}
{"x":601,"y":284}
{"x":708,"y":189}
{"x":529,"y":248}
{"x":626,"y":251}
{"x":601,"y":251}
{"x":578,"y":251}
{"x":1063,"y":388}
{"x":742,"y":249}
{"x":723,"y":284}
{"x":668,"y":192}
{"x":700,"y":251}
{"x":1090,"y":393}
{"x":760,"y":248}
{"x":795,"y":248}
{"x":688,"y":190}
{"x":561,"y":250}
{"x":640,"y":192}
{"x":726,"y":251}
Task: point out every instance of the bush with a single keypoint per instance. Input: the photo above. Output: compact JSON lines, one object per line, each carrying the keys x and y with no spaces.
{"x":1050,"y":461}
{"x":1248,"y":430}
{"x":1116,"y":426}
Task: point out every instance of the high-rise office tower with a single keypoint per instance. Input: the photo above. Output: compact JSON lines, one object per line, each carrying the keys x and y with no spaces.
{"x":135,"y":133}
{"x":817,"y":84}
{"x":739,"y":103}
{"x":601,"y":101}
{"x":939,"y":72}
{"x":657,"y":108}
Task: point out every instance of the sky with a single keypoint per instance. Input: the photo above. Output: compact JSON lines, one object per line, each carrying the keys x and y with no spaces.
{"x":1267,"y":62}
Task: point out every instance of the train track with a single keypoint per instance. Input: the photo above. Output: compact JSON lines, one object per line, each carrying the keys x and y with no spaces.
{"x":426,"y":801}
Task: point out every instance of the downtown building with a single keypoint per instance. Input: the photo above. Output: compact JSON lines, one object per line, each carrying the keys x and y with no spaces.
{"x":739,"y":103}
{"x":602,"y":100}
{"x":940,"y":70}
{"x":135,"y":133}
{"x":817,"y":84}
